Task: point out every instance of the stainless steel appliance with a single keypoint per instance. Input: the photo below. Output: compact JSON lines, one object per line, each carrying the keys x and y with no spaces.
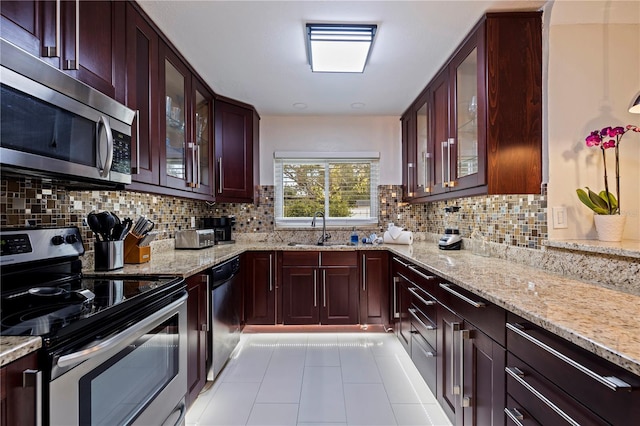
{"x":114,"y":347}
{"x":226,"y":299}
{"x":194,"y":238}
{"x":56,"y":126}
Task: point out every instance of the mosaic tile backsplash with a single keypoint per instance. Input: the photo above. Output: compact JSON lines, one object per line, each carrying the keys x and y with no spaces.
{"x":516,"y":220}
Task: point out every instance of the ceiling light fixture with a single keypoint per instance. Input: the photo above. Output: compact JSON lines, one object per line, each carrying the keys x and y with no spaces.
{"x":339,"y":47}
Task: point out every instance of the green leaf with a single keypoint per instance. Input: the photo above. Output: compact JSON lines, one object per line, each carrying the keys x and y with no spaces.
{"x":582,"y":195}
{"x":598,"y":201}
{"x":612,"y":201}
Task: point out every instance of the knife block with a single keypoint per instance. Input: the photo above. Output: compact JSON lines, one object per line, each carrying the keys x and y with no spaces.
{"x":134,"y":253}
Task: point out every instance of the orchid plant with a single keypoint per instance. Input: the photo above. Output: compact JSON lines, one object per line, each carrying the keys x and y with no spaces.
{"x":605,"y":202}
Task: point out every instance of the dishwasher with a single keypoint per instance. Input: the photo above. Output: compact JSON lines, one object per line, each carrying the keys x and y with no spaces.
{"x":226,"y":299}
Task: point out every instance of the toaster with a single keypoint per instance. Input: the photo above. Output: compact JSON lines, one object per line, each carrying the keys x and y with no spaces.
{"x":195,"y":238}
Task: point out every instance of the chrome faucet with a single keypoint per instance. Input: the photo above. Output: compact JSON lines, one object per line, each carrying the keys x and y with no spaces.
{"x":324,"y":237}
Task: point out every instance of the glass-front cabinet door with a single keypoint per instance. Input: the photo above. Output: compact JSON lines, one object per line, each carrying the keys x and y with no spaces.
{"x":176,"y":77}
{"x":467,"y":161}
{"x":201,"y":151}
{"x":424,"y":151}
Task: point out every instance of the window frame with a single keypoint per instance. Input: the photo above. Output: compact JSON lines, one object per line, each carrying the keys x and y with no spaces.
{"x":325,"y":158}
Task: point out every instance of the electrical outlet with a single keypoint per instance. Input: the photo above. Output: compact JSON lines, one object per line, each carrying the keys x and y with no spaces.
{"x":559,"y":218}
{"x":193,"y":222}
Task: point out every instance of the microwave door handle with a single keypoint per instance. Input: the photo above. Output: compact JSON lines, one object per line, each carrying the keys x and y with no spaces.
{"x":109,"y":160}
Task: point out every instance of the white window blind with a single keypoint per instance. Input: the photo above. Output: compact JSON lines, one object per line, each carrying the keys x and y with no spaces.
{"x":344,"y":189}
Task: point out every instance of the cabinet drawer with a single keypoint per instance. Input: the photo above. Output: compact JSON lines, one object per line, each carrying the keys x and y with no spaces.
{"x":338,"y":258}
{"x":547,"y":403}
{"x":424,"y":357}
{"x":516,"y":415}
{"x":588,"y":378}
{"x":486,"y":316}
{"x":300,"y":258}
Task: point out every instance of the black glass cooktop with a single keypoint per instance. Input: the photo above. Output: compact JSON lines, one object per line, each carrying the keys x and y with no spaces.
{"x":48,"y":310}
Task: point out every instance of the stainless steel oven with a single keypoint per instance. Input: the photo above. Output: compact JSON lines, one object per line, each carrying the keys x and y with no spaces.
{"x":135,"y":376}
{"x":114,"y":347}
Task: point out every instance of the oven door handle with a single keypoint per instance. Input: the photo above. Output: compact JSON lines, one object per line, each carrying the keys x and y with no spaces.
{"x":83,"y":355}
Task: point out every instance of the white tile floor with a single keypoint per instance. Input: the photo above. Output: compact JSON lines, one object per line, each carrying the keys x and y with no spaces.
{"x":318,"y":379}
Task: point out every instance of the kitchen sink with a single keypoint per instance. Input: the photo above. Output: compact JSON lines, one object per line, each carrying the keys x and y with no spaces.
{"x":307,"y":245}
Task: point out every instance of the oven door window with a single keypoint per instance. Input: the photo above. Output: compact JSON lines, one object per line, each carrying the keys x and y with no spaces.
{"x":118,"y":390}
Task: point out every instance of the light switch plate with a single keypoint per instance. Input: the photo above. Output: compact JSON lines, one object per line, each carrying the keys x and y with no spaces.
{"x":559,"y":218}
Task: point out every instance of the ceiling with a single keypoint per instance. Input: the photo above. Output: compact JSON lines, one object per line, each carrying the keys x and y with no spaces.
{"x":254,"y":51}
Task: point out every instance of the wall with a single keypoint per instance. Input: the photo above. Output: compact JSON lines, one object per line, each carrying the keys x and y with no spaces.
{"x":332,"y":134}
{"x":594,"y":70}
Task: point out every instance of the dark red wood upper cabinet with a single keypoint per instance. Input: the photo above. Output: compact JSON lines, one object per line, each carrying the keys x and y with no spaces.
{"x":237,"y":154}
{"x":483,"y":114}
{"x":88,"y":42}
{"x":142,"y":96}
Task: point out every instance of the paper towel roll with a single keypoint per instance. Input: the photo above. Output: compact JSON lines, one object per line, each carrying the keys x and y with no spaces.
{"x":404,"y":237}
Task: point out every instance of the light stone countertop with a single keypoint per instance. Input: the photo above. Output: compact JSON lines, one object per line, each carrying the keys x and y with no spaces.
{"x":603,"y":321}
{"x":14,"y":347}
{"x":627,"y":248}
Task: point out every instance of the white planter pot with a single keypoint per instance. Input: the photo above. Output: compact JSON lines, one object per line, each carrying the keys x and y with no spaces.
{"x":610,"y":227}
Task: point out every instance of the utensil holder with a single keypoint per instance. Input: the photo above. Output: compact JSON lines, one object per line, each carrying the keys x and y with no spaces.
{"x":133,"y":253}
{"x":109,"y":255}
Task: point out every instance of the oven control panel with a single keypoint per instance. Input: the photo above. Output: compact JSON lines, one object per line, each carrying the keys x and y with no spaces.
{"x":32,"y":244}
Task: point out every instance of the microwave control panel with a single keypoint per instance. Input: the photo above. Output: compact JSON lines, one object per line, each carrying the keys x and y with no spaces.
{"x":121,"y":153}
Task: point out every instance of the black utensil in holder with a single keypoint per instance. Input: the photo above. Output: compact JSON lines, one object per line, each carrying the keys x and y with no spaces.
{"x":109,"y":255}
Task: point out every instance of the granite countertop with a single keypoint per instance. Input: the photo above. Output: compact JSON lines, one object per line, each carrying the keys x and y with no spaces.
{"x":14,"y":347}
{"x":601,"y":320}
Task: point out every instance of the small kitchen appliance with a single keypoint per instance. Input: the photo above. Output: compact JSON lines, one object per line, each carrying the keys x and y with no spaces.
{"x":195,"y":238}
{"x":451,"y":240}
{"x":222,"y":227}
{"x":129,"y":331}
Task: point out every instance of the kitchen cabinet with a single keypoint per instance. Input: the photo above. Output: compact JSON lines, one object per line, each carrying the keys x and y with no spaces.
{"x":401,"y":302}
{"x":142,"y":44}
{"x":197,"y":331}
{"x":471,"y":386}
{"x":173,"y":138}
{"x":237,"y":151}
{"x":83,"y":38}
{"x":187,"y":152}
{"x":320,"y":287}
{"x":18,"y":392}
{"x":260,"y":287}
{"x":553,"y":381}
{"x":374,"y":288}
{"x":477,"y":126}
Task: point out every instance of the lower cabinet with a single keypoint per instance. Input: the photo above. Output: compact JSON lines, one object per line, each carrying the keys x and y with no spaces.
{"x":374,"y":288}
{"x":18,"y":403}
{"x":553,"y":381}
{"x":260,"y":287}
{"x":198,"y":328}
{"x":471,"y":386}
{"x":320,"y":287}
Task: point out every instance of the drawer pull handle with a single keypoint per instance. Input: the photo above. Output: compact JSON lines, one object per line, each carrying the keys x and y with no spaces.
{"x":413,"y":291}
{"x":417,"y":318}
{"x":611,"y":382}
{"x":447,"y":287}
{"x":417,"y":271}
{"x":395,"y":259}
{"x":515,"y":415}
{"x":518,"y":375}
{"x":428,"y":354}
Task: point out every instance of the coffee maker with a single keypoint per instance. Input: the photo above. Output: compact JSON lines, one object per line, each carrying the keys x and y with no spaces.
{"x":222,"y":227}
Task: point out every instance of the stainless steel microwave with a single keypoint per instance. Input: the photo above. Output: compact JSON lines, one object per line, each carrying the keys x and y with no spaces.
{"x":54,"y":126}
